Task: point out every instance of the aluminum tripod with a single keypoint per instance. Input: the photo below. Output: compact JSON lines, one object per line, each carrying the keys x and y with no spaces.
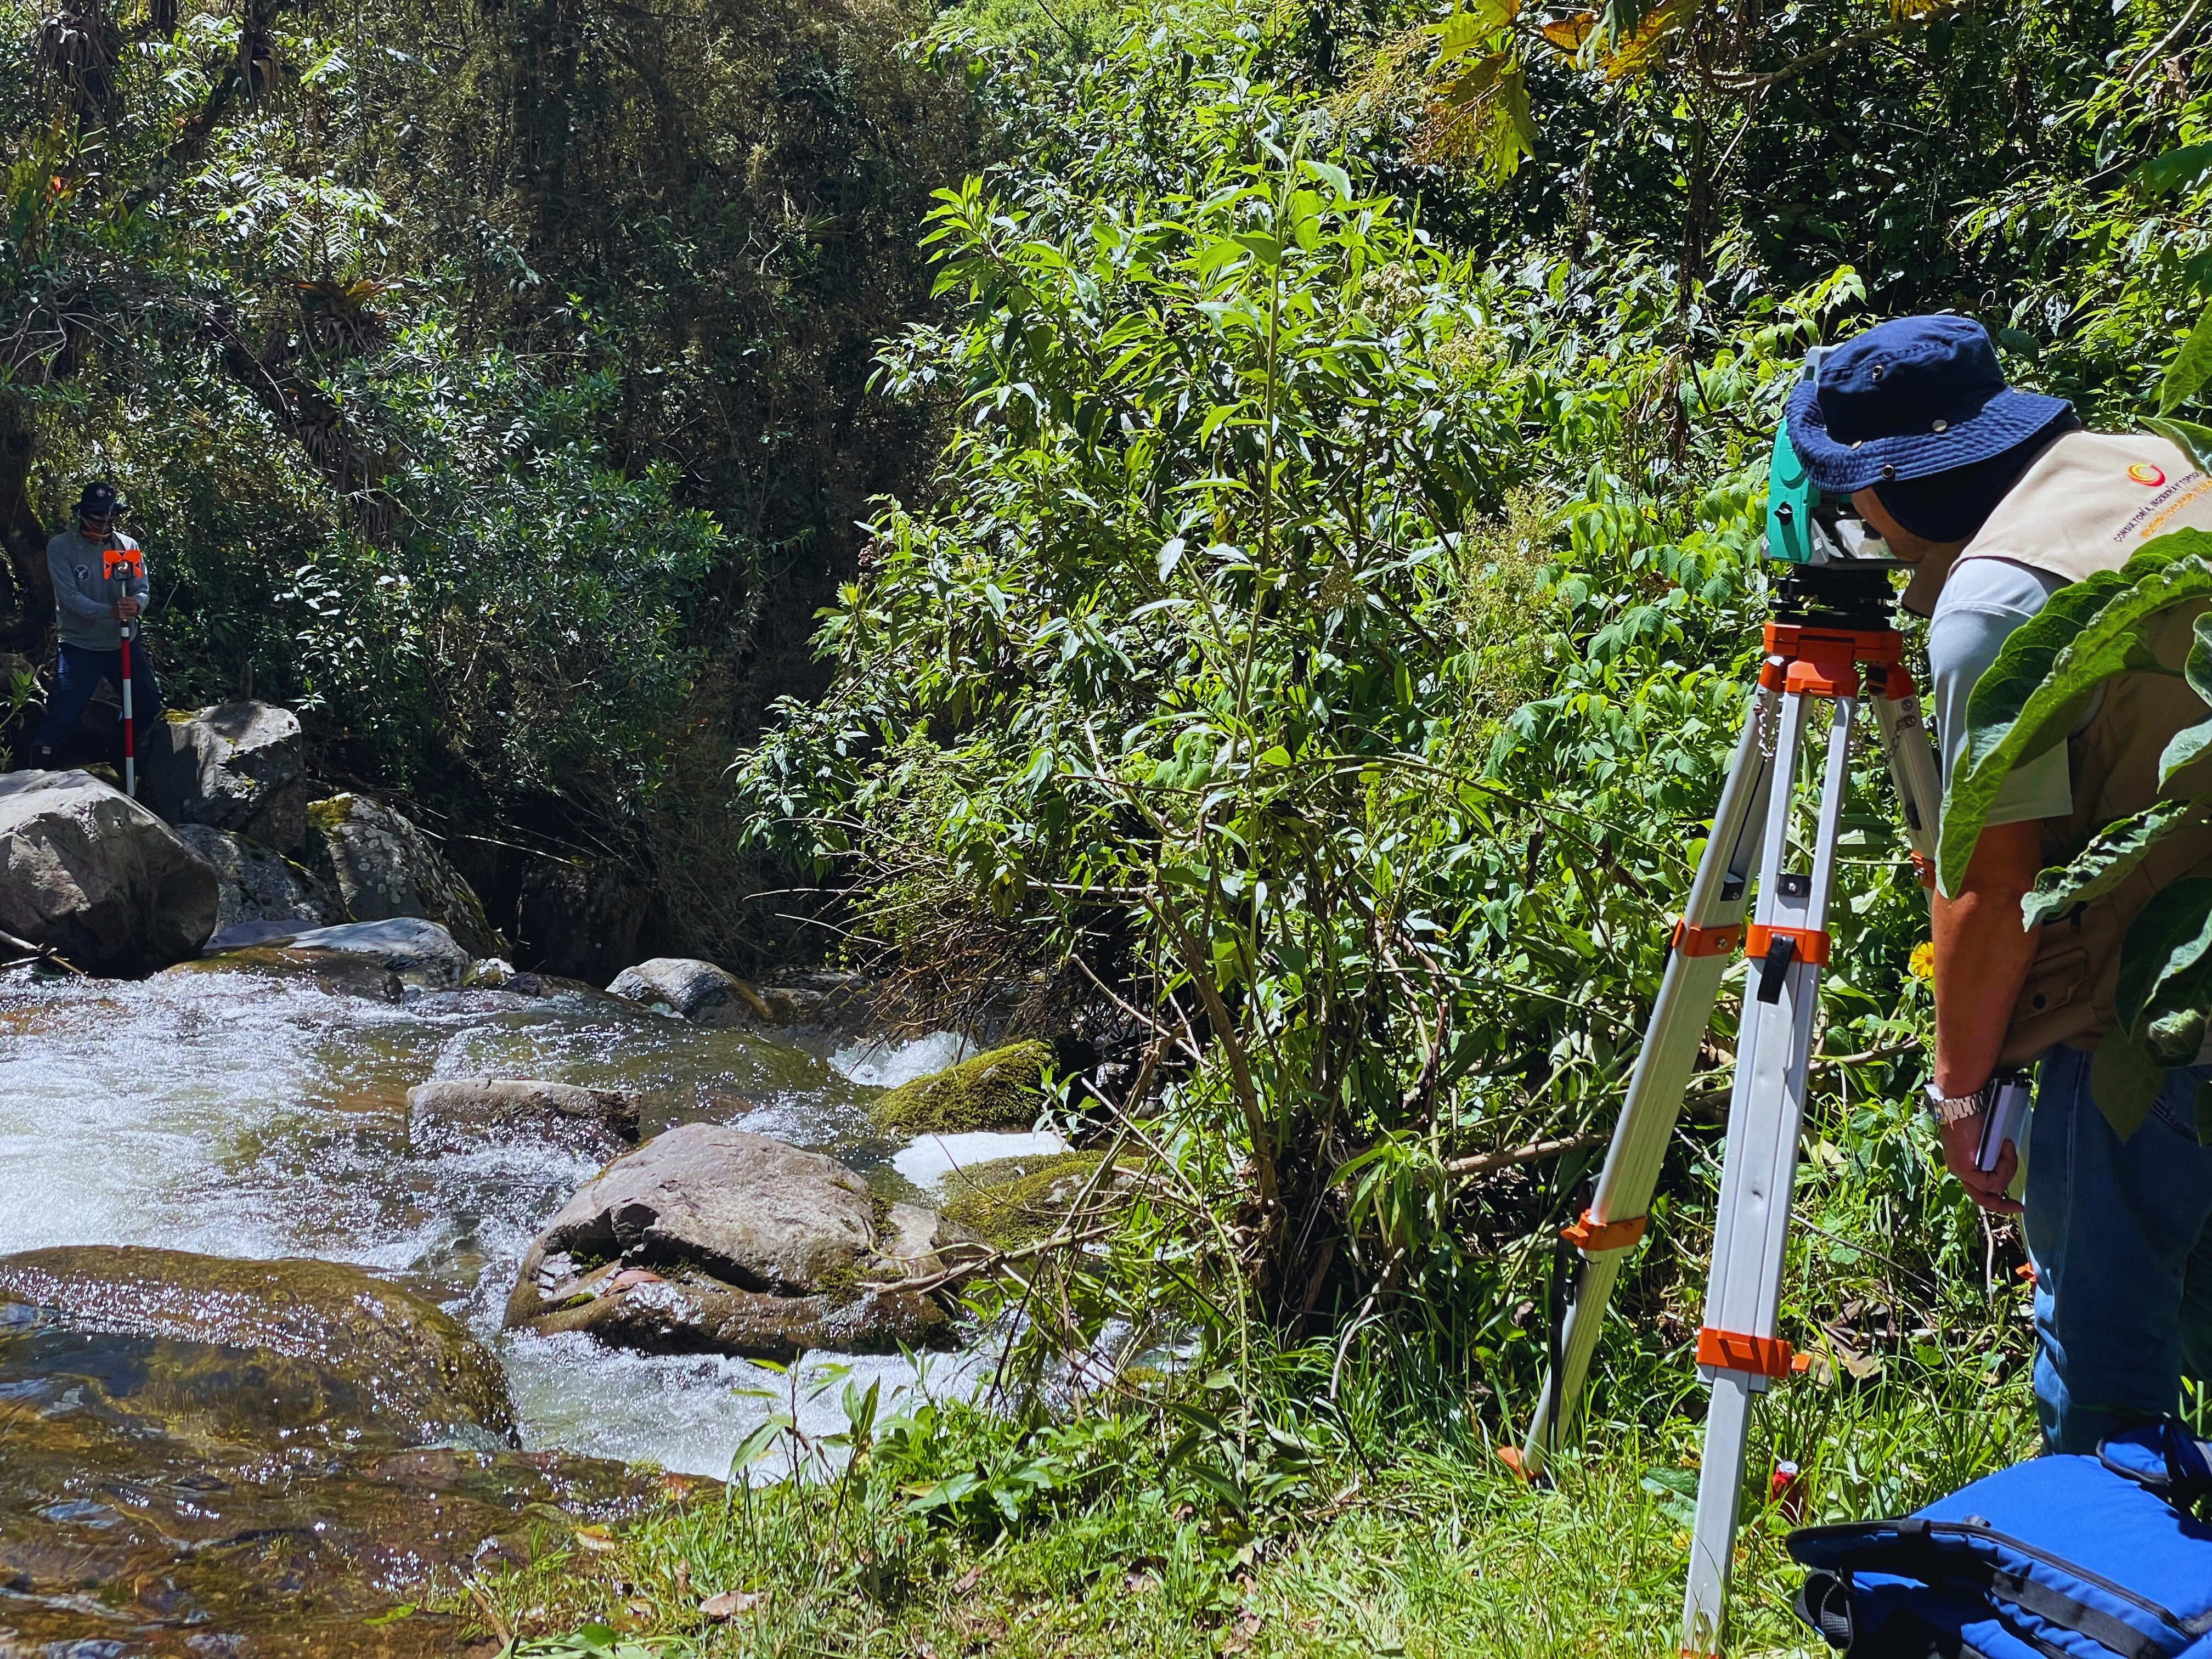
{"x":1833,"y":642}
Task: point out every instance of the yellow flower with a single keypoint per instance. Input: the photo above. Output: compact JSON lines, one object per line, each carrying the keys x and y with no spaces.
{"x":1924,"y":960}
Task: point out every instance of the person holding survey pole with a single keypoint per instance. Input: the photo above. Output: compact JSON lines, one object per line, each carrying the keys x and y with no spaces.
{"x":2000,"y":498}
{"x":100,"y":589}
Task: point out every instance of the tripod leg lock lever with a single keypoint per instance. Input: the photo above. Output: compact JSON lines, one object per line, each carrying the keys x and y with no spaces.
{"x":1595,"y":1237}
{"x":1775,"y":948}
{"x":1692,"y":940}
{"x":1758,"y":1356}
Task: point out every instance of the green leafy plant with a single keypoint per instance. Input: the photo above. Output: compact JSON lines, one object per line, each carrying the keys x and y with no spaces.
{"x":2028,"y":701}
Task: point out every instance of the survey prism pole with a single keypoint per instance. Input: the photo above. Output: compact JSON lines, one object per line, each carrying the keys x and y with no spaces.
{"x":1831,"y":646}
{"x":129,"y":725}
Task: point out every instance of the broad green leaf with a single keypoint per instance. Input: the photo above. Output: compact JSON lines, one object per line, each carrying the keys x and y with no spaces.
{"x":2124,"y":1081}
{"x":1335,"y":177}
{"x":2117,"y":849}
{"x":2191,"y":741}
{"x":2191,"y":367}
{"x":2029,"y":697}
{"x":2167,"y":943}
{"x":2176,"y":169}
{"x":2191,"y":439}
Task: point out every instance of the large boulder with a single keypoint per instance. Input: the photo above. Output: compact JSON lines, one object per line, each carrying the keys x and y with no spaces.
{"x":452,"y":1115}
{"x":710,"y":1239}
{"x":370,"y":958}
{"x":259,"y":1458}
{"x":312,"y":1351}
{"x":90,"y":873}
{"x":385,"y":867}
{"x":696,"y":990}
{"x":238,"y":766}
{"x":257,"y":883}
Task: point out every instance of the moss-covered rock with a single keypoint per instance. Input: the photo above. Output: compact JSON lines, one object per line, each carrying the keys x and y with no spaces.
{"x":1003,"y":1088}
{"x":199,"y":1455}
{"x":1012,"y":1201}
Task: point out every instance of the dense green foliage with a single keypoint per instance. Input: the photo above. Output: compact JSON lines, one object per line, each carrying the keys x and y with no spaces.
{"x":1318,"y":637}
{"x":488,"y":382}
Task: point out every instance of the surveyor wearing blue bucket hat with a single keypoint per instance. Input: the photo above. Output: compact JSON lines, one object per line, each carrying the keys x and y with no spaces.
{"x":1999,"y":497}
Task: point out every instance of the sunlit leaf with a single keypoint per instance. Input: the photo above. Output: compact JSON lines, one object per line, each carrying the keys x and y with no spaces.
{"x":2191,"y":367}
{"x":2101,"y":867}
{"x":2031,"y":696}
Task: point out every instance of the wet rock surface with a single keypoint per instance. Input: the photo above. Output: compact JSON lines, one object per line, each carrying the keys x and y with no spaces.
{"x":409,"y":1371}
{"x":384,"y":868}
{"x":90,"y":873}
{"x":238,"y":766}
{"x":258,"y":884}
{"x":207,"y":1456}
{"x":375,"y":959}
{"x":455,"y":1114}
{"x":711,"y":1239}
{"x":693,"y":990}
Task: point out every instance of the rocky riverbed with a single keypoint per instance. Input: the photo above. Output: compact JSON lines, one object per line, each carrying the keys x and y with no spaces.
{"x":259,"y":1109}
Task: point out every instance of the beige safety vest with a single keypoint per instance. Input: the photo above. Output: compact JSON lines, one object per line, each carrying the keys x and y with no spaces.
{"x":2089,"y":503}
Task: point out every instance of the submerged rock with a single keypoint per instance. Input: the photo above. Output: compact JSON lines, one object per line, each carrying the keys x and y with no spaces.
{"x":369,"y":958}
{"x":385,"y":867}
{"x":454,"y":1114}
{"x":710,"y":1239}
{"x":316,"y":1351}
{"x":88,"y":872}
{"x":258,"y":887}
{"x":1002,"y":1089}
{"x":226,"y":1457}
{"x":693,"y":990}
{"x":235,"y":766}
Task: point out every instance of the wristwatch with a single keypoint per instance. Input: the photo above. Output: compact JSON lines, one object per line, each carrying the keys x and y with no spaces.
{"x":1950,"y":1108}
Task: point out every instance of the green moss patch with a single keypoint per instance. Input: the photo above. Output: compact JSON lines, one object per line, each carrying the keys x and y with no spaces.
{"x":1000,"y":1089}
{"x":1012,"y":1201}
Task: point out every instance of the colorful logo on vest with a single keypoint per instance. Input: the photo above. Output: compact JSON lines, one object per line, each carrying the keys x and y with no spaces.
{"x":2144,"y":473}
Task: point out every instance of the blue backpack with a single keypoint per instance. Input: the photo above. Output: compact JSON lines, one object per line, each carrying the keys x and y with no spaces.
{"x":2057,"y":1558}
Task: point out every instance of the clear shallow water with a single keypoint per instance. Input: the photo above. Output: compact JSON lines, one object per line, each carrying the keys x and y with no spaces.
{"x":245,"y":1116}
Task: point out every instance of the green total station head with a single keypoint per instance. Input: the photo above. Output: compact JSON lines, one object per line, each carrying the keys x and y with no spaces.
{"x":1791,"y":495}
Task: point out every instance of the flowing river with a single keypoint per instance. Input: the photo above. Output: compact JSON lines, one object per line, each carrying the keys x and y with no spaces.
{"x":239,"y":1115}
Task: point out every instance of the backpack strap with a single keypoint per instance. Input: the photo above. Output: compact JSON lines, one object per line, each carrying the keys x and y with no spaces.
{"x":1823,"y":1601}
{"x":2162,"y":1457}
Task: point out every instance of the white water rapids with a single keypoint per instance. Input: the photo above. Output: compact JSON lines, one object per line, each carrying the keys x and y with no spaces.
{"x":246,"y":1116}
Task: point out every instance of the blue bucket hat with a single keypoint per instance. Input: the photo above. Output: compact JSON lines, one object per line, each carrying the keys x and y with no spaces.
{"x":1910,"y":399}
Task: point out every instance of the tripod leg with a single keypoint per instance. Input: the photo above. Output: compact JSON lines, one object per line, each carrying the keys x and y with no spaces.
{"x":1614,"y":1221}
{"x":1911,"y":760}
{"x":1737,"y":1349}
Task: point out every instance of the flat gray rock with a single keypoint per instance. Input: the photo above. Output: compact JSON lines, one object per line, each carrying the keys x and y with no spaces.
{"x":258,"y":886}
{"x":237,"y":766}
{"x":90,"y":873}
{"x":750,"y":1211}
{"x":375,"y":959}
{"x":693,"y":990}
{"x":385,"y":867}
{"x":455,"y":1114}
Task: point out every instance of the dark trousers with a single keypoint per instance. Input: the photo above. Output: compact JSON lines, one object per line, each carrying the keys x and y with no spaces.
{"x":79,"y":674}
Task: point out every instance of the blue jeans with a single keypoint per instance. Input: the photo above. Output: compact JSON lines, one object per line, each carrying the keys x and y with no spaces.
{"x":2123,"y":1260}
{"x":78,"y":676}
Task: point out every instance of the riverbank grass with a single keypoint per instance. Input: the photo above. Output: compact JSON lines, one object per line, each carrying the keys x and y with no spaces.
{"x":1111,"y":1536}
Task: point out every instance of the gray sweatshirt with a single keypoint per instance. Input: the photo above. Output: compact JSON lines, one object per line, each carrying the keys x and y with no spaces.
{"x":84,"y":599}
